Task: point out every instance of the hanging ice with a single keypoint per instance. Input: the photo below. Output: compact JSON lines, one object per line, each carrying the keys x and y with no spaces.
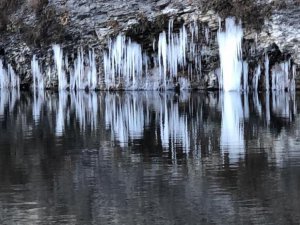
{"x":61,"y":76}
{"x":37,"y":76}
{"x":230,"y":55}
{"x":172,"y":52}
{"x":123,"y":62}
{"x":267,"y":72}
{"x":8,"y":78}
{"x":245,"y":76}
{"x":126,"y":64}
{"x":280,"y":77}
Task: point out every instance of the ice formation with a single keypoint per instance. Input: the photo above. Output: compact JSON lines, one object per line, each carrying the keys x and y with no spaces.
{"x":245,"y":76}
{"x":37,"y":76}
{"x":230,"y":52}
{"x":125,"y":62}
{"x":8,"y":77}
{"x":128,"y":116}
{"x":61,"y":75}
{"x":280,"y":77}
{"x":267,"y":75}
{"x":175,"y":61}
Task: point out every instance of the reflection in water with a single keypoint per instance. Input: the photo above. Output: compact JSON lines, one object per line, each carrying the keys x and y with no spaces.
{"x":149,"y":158}
{"x":232,"y":134}
{"x":175,"y":119}
{"x":284,"y":104}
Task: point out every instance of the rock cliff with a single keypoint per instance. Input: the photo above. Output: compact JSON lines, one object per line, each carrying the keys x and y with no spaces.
{"x":31,"y":27}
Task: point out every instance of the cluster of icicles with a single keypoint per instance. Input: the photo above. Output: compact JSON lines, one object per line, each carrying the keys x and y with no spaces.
{"x":127,"y":116}
{"x":126,"y":66}
{"x":234,"y":69}
{"x":83,"y":73}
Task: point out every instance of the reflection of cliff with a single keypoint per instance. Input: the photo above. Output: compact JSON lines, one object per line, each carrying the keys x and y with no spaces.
{"x":76,"y":166}
{"x":188,"y":123}
{"x":232,"y":133}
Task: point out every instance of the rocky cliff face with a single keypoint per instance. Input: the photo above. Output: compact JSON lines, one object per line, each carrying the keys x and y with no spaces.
{"x":31,"y":27}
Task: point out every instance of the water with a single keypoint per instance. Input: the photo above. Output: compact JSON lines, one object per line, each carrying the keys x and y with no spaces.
{"x":149,"y":158}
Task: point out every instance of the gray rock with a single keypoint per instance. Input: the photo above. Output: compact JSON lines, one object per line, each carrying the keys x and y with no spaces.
{"x":76,"y":23}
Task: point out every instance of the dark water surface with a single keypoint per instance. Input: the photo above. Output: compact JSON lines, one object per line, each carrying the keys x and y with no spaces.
{"x":149,"y":158}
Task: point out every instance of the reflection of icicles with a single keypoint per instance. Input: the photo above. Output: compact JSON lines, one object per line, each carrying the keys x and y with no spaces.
{"x":38,"y":100}
{"x":283,"y":104}
{"x":232,"y":140}
{"x":8,"y":99}
{"x":257,"y":103}
{"x":61,"y":113}
{"x":246,"y":105}
{"x":268,"y":116}
{"x":230,"y":54}
{"x":245,"y":76}
{"x":173,"y":126}
{"x":85,"y":106}
{"x":3,"y":101}
{"x":125,"y":116}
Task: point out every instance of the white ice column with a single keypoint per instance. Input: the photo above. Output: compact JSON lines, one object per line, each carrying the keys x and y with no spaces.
{"x":230,"y":42}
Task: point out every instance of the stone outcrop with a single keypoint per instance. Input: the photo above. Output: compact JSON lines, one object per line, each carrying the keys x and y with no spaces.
{"x":31,"y":27}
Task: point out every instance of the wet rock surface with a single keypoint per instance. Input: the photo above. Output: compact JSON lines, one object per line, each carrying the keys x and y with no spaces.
{"x":31,"y":27}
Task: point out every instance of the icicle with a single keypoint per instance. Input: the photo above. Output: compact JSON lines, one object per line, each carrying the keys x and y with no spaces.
{"x":162,"y":57}
{"x":267,"y":72}
{"x":280,"y":77}
{"x":123,"y":61}
{"x":207,"y":35}
{"x":93,"y":71}
{"x":196,"y":30}
{"x":292,"y":82}
{"x":230,"y":54}
{"x":245,"y":76}
{"x":58,"y":58}
{"x":3,"y":76}
{"x":255,"y":41}
{"x":38,"y":80}
{"x":14,"y":79}
{"x":8,"y":78}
